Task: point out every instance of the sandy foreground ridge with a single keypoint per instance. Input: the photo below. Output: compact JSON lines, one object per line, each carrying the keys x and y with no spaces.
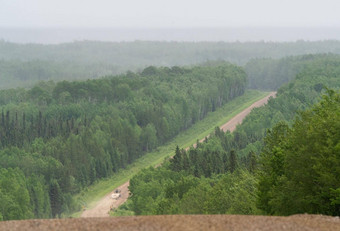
{"x":182,"y":222}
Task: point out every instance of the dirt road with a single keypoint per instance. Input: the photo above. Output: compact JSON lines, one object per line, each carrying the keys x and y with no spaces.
{"x":231,"y":124}
{"x":103,"y":206}
{"x":181,"y":222}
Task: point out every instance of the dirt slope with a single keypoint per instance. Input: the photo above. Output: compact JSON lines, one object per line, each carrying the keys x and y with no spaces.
{"x":182,"y":222}
{"x":102,"y":208}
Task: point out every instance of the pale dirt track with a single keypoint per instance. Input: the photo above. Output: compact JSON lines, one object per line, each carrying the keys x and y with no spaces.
{"x":233,"y":122}
{"x":103,"y":206}
{"x":181,"y":222}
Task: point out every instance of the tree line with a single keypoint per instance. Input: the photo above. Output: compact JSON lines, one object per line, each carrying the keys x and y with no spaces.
{"x":23,"y":65}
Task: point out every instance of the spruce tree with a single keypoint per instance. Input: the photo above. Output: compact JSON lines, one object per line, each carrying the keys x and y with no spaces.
{"x":232,"y":161}
{"x":176,"y":161}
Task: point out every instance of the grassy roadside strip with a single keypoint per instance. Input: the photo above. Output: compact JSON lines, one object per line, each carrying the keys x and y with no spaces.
{"x":92,"y":194}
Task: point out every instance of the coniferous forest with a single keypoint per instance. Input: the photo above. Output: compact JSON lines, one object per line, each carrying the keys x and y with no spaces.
{"x":58,"y":138}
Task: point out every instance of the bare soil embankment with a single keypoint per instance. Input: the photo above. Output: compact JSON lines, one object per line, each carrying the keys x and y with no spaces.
{"x":182,"y":222}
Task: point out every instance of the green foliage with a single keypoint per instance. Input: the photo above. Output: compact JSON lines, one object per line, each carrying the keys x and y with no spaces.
{"x":123,"y":210}
{"x":272,"y":165}
{"x":278,"y":193}
{"x":40,"y":200}
{"x":297,"y":95}
{"x":14,"y":195}
{"x":93,"y":193}
{"x":300,"y":170}
{"x":66,"y":136}
{"x":232,"y":161}
{"x":161,"y":191}
{"x":233,"y":194}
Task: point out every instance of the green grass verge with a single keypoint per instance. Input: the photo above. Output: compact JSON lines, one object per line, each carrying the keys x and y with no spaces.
{"x":123,"y":210}
{"x":202,"y":128}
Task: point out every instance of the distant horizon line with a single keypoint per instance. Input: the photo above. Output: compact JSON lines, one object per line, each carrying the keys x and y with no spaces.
{"x":54,"y":35}
{"x":175,"y":28}
{"x":173,"y":41}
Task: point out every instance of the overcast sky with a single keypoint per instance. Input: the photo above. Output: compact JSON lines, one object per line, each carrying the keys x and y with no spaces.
{"x":169,"y":13}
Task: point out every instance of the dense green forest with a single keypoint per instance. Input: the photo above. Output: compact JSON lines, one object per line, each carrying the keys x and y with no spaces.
{"x":58,"y":138}
{"x":283,"y":159}
{"x":300,"y":164}
{"x":23,"y":65}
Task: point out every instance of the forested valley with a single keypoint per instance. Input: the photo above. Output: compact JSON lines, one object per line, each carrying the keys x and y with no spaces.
{"x":282,"y":160}
{"x":59,"y":138}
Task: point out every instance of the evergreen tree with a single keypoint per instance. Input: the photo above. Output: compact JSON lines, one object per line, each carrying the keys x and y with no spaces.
{"x":176,"y":161}
{"x":232,"y":161}
{"x":251,"y":162}
{"x":56,"y":198}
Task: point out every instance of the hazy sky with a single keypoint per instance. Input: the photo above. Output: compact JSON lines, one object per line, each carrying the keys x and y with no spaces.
{"x":169,"y":13}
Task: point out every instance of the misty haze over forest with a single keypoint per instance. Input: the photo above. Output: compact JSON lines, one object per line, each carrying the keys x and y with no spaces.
{"x":241,"y":34}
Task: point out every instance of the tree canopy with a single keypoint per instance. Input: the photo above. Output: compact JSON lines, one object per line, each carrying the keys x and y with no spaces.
{"x":59,"y":138}
{"x":283,"y":159}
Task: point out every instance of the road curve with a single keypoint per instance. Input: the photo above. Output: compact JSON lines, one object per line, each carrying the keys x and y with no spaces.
{"x":103,"y":206}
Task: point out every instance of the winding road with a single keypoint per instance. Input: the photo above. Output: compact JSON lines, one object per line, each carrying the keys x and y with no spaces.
{"x":103,"y":206}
